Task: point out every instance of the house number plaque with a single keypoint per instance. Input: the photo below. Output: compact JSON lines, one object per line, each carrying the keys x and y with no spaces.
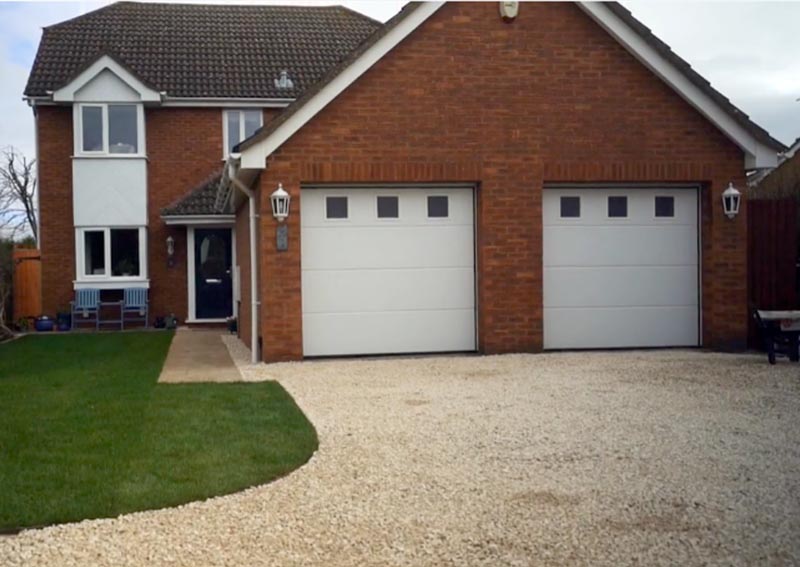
{"x":282,"y":237}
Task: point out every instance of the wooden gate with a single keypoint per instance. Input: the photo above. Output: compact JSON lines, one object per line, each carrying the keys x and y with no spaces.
{"x":27,"y":285}
{"x":772,"y":253}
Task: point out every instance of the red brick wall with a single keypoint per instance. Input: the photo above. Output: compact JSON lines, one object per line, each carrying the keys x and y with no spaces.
{"x":57,"y":236}
{"x":184,"y":147}
{"x":550,"y":97}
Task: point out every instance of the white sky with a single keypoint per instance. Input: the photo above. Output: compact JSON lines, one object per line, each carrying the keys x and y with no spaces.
{"x":748,"y":50}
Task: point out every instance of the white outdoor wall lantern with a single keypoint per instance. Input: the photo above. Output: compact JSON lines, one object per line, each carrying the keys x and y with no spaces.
{"x":509,"y":10}
{"x":731,"y":198}
{"x":280,"y":203}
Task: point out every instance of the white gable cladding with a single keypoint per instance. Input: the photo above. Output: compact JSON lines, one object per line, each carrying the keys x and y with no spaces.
{"x":101,"y":68}
{"x":106,"y":86}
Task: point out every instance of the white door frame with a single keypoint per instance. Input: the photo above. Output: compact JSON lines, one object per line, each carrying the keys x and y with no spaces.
{"x":190,"y":273}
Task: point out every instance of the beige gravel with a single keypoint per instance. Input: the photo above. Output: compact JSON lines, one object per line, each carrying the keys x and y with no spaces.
{"x":664,"y":457}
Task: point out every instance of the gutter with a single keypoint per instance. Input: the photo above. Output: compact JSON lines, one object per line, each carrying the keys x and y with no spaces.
{"x":231,"y":169}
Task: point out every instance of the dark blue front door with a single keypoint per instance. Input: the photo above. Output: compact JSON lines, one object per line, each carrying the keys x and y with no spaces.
{"x":212,"y":273}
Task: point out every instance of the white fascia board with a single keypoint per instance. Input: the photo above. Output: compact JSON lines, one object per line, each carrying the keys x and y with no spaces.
{"x":67,"y":92}
{"x":757,"y":154}
{"x":255,"y":156}
{"x":192,"y":102}
{"x":222,"y":220}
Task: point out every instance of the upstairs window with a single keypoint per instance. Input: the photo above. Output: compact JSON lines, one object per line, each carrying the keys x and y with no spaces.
{"x":109,"y":129}
{"x":240,"y":125}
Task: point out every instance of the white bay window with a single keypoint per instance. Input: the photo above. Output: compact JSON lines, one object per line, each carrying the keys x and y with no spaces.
{"x":111,"y":253}
{"x":238,"y":125}
{"x":109,"y":129}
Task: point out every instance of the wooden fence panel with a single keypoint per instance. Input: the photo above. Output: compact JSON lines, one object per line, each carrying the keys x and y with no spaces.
{"x":772,"y":256}
{"x":27,"y":286}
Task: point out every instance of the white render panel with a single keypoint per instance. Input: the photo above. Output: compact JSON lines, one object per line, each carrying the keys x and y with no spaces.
{"x":109,"y":192}
{"x":380,"y":286}
{"x":107,"y":87}
{"x":620,"y":282}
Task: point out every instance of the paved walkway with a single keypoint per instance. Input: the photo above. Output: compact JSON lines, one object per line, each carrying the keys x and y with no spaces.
{"x":199,"y":356}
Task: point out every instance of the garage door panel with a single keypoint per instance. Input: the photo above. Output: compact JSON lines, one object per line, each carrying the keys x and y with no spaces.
{"x":629,"y":281}
{"x":393,"y":332}
{"x":620,"y":327}
{"x":362,"y":207}
{"x":654,"y":286}
{"x":387,"y":285}
{"x":387,"y":247}
{"x":387,"y":290}
{"x":641,"y":206}
{"x":619,"y":245}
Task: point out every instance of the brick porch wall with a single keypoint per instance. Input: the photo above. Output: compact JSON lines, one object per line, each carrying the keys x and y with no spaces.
{"x":511,"y":107}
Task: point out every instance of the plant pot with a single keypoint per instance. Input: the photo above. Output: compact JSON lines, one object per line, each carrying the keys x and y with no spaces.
{"x":43,"y":324}
{"x":63,"y":321}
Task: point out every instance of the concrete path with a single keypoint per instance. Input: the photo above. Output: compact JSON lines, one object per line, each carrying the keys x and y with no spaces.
{"x":199,"y":356}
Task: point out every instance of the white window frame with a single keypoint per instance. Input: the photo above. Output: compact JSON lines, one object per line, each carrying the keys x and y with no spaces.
{"x":80,"y":256}
{"x":105,"y":153}
{"x":241,"y":112}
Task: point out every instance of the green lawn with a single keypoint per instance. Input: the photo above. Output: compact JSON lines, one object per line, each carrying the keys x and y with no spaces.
{"x":86,"y":432}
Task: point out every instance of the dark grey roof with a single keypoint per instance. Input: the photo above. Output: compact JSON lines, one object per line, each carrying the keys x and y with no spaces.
{"x":199,"y":201}
{"x":203,"y":50}
{"x":757,"y":131}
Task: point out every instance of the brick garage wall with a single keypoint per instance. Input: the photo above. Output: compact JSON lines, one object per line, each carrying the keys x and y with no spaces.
{"x":57,"y":235}
{"x":550,"y":97}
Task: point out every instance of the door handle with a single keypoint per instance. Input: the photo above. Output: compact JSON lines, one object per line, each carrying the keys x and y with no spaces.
{"x":213,"y":281}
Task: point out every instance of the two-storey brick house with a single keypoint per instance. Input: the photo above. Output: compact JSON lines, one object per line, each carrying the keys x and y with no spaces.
{"x":491,"y":177}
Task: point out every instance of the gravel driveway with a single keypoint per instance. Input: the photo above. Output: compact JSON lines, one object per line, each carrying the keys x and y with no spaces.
{"x":664,"y":457}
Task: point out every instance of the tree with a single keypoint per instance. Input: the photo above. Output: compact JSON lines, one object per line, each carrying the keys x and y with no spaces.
{"x":18,"y":194}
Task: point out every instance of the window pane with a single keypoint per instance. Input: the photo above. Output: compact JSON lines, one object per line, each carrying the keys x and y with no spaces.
{"x":232,"y":122}
{"x":388,"y":207}
{"x":336,"y":207}
{"x":92,"y":121}
{"x":617,"y":207}
{"x":94,"y":253}
{"x":252,"y":122}
{"x":437,"y":207}
{"x":665,"y":206}
{"x":125,"y":252}
{"x":122,"y":129}
{"x":570,"y":207}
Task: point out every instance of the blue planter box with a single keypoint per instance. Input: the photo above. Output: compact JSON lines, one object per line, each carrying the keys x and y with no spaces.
{"x":43,"y":325}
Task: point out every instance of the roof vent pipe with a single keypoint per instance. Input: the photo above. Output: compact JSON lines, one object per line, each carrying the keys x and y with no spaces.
{"x":284,"y":82}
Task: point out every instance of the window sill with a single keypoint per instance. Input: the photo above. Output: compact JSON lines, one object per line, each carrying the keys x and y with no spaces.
{"x":111,"y":283}
{"x":109,"y":156}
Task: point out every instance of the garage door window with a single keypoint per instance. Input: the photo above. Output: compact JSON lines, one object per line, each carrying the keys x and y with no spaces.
{"x":570,"y":207}
{"x":388,"y":207}
{"x":617,"y":207}
{"x":665,"y":207}
{"x":336,"y":207}
{"x":438,"y":207}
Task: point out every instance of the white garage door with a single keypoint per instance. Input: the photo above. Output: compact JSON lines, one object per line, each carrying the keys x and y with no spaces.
{"x":620,"y":268}
{"x":388,"y":270}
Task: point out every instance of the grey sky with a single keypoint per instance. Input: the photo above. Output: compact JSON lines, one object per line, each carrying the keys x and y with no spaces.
{"x":747,"y":50}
